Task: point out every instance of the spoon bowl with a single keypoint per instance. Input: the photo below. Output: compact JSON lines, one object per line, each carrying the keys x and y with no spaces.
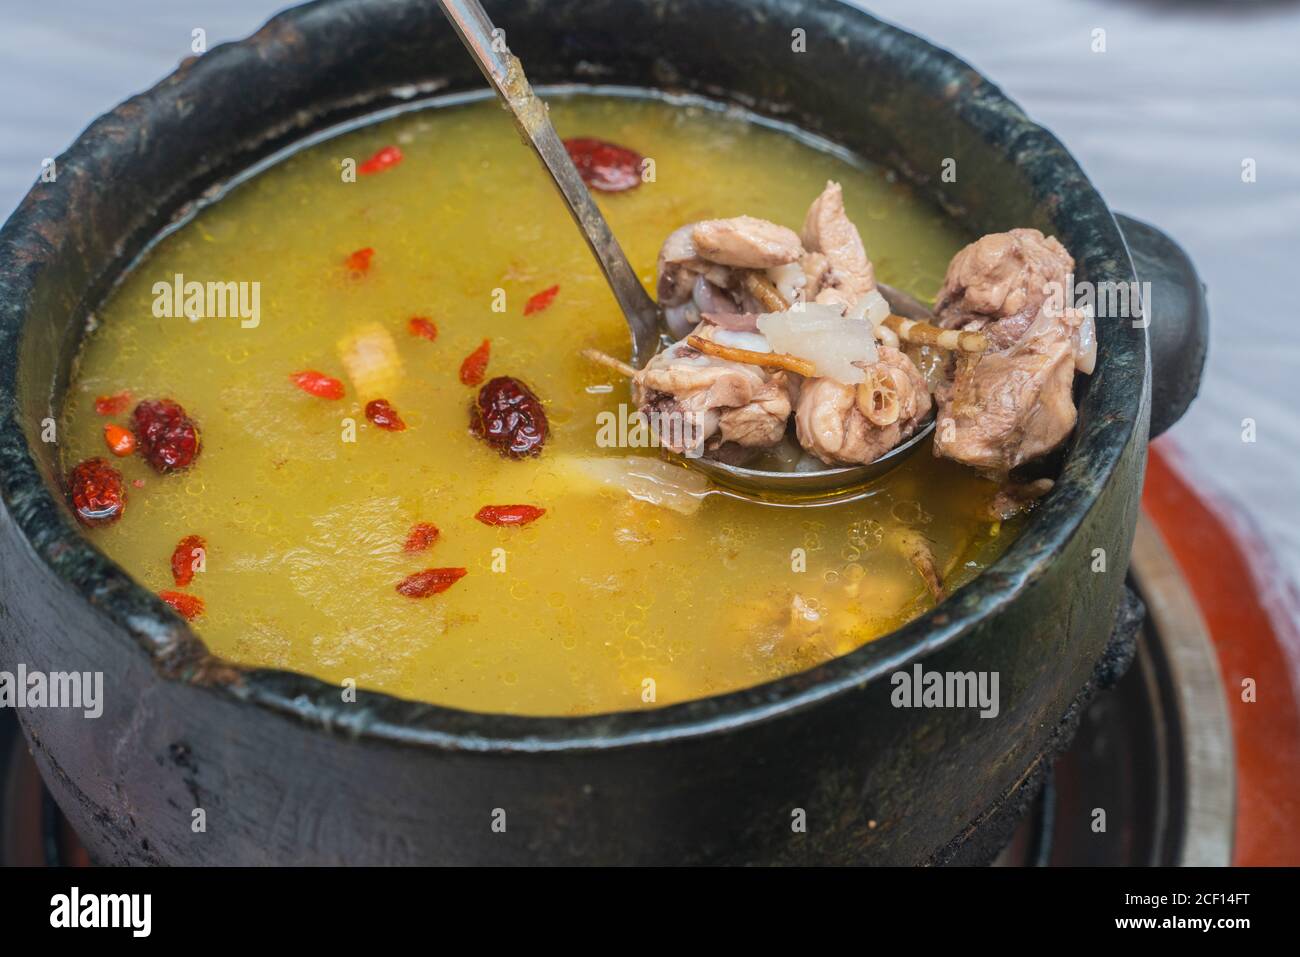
{"x":823,"y":487}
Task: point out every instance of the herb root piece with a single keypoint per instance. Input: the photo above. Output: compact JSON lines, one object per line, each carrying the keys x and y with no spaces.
{"x":768,"y":360}
{"x":764,"y":290}
{"x":917,"y":551}
{"x":925,"y":334}
{"x":605,"y":359}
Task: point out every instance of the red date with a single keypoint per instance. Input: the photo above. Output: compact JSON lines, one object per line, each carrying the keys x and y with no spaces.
{"x":509,"y":417}
{"x":605,"y":166}
{"x":95,"y":488}
{"x":167,"y":437}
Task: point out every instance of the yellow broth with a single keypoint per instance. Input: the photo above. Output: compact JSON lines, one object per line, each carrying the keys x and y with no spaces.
{"x":605,"y":603}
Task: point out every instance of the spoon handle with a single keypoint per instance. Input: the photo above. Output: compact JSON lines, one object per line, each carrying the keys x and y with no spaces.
{"x":505,"y":74}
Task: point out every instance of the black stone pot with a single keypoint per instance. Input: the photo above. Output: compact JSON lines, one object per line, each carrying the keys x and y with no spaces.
{"x":285,"y":772}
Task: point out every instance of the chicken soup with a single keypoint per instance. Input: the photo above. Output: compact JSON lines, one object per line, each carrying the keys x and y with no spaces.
{"x":346,"y":419}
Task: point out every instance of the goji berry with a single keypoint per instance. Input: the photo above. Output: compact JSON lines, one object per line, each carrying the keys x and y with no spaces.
{"x":95,"y":488}
{"x":359,"y":262}
{"x":188,"y":607}
{"x":384,"y":416}
{"x":420,"y":326}
{"x":605,"y":166}
{"x":541,"y":300}
{"x":318,"y":384}
{"x":112,"y":404}
{"x":509,"y":417}
{"x":188,"y":552}
{"x":120,"y":441}
{"x":386,"y":158}
{"x":168,"y":438}
{"x":421,"y":536}
{"x":509,"y":514}
{"x":475,"y":364}
{"x":431,"y":581}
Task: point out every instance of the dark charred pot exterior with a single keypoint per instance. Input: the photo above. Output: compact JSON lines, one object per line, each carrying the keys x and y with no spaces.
{"x":283,"y":769}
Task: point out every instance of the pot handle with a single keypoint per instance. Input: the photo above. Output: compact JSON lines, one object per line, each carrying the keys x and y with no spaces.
{"x":1178,"y":320}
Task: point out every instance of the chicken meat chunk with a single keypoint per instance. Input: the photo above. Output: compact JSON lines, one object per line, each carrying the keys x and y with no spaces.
{"x":697,"y":403}
{"x":999,"y":283}
{"x":846,"y":274}
{"x":854,"y":425}
{"x":746,"y":242}
{"x":731,"y":270}
{"x":1011,"y":406}
{"x":1014,"y":403}
{"x":702,"y":268}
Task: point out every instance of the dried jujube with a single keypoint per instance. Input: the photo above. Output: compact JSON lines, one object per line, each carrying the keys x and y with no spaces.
{"x":95,"y":488}
{"x":603,"y":165}
{"x":509,"y":417}
{"x":167,"y":437}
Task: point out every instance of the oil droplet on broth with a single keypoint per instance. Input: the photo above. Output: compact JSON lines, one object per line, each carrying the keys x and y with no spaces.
{"x":308,"y":528}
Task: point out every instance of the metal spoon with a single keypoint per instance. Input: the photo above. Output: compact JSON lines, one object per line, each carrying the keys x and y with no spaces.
{"x":506,"y":76}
